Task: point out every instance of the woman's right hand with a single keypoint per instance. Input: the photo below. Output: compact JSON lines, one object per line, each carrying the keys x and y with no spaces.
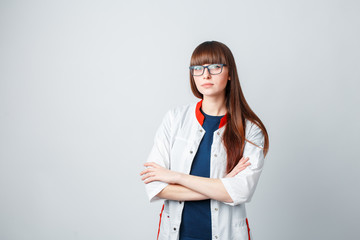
{"x":239,"y":167}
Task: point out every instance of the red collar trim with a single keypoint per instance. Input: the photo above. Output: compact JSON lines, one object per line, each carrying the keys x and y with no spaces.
{"x":200,"y":117}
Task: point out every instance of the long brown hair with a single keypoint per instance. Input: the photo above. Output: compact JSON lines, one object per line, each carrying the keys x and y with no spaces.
{"x":238,"y":110}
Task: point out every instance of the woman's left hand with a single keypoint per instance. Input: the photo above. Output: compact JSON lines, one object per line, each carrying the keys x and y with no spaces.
{"x":155,"y":172}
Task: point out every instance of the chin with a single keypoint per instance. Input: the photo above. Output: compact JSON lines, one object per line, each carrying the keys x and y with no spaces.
{"x":211,"y":94}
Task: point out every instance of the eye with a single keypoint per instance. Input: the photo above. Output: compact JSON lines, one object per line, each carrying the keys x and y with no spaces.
{"x":214,"y":66}
{"x":197,"y":67}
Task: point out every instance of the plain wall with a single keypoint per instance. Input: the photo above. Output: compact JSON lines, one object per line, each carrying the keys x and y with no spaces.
{"x":85,"y":84}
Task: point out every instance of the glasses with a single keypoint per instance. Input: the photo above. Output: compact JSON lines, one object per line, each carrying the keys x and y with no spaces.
{"x":213,"y":69}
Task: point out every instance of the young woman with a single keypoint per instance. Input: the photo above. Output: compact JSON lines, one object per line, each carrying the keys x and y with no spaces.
{"x":207,"y":156}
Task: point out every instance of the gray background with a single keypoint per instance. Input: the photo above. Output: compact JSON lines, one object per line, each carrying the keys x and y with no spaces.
{"x":84,"y":86}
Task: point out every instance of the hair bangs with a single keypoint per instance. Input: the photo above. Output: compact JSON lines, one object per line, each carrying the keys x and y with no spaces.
{"x":208,"y":53}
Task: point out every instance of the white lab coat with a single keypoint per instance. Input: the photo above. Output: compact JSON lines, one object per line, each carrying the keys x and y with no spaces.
{"x":176,"y":142}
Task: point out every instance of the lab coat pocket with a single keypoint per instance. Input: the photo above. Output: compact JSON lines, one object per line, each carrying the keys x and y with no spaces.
{"x":241,"y":230}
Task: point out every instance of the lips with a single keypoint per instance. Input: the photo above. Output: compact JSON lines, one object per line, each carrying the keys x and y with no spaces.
{"x":207,"y":84}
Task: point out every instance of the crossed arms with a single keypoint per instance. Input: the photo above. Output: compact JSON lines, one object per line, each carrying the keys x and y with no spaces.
{"x":185,"y":187}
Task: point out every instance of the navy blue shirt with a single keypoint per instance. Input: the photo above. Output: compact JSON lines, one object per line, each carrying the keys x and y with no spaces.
{"x":196,"y":215}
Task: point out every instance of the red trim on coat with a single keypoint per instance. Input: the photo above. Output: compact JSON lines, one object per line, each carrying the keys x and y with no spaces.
{"x":200,"y":117}
{"x":160,"y":221}
{"x":247,"y":224}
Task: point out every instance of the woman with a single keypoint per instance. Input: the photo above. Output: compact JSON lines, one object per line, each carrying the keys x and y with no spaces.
{"x":207,"y":156}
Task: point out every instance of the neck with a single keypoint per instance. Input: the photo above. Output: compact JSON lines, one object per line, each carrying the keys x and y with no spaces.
{"x":214,"y":106}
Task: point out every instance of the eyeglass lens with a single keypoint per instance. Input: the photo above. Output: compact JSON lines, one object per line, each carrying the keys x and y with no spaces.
{"x":213,"y":69}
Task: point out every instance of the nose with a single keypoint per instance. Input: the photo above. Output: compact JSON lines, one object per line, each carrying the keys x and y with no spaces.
{"x":206,"y":73}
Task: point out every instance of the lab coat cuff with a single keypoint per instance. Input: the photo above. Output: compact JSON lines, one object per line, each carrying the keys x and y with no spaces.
{"x":158,"y":187}
{"x":228,"y":186}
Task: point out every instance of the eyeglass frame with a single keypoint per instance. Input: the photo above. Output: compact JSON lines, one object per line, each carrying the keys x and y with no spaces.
{"x":221,"y":64}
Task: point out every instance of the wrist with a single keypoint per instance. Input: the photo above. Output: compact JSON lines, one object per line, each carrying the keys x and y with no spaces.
{"x":178,"y":178}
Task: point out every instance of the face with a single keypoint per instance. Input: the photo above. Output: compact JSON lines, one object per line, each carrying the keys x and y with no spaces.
{"x":212,"y":85}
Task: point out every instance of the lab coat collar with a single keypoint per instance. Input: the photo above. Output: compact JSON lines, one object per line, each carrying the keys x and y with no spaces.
{"x":200,"y":117}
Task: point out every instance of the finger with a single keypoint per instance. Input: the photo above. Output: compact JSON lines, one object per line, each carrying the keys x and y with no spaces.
{"x":241,"y":167}
{"x":150,"y":179}
{"x":151,"y":164}
{"x":149,"y":170}
{"x":231,"y":174}
{"x":237,"y":168}
{"x":147,"y":176}
{"x":244,"y":159}
{"x":242,"y":162}
{"x":145,"y":171}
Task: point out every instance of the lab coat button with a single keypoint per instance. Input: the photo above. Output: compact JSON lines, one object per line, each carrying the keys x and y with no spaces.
{"x":218,"y":133}
{"x":216,"y":237}
{"x":179,"y":202}
{"x":174,"y":229}
{"x":191,"y":151}
{"x":216,"y":209}
{"x":215,"y":155}
{"x":200,"y":130}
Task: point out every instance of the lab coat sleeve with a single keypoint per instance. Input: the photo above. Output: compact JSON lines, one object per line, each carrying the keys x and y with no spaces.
{"x":241,"y":187}
{"x":160,"y":154}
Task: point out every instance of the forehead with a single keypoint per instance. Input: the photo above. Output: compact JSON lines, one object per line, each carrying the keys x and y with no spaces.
{"x":207,"y":64}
